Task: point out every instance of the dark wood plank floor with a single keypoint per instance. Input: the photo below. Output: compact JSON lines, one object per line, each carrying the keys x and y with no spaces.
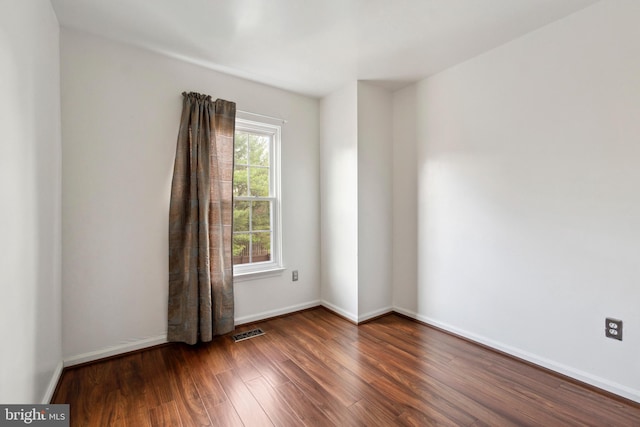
{"x":316,"y":369}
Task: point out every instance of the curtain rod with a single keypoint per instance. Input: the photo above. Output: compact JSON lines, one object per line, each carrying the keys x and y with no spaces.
{"x":262,"y":115}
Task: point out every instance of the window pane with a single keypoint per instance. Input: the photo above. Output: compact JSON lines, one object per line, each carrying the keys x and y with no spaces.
{"x":241,"y":248}
{"x":259,"y":150}
{"x":240,"y":148}
{"x":259,"y":181}
{"x":261,"y":216}
{"x":241,"y":216}
{"x":240,"y":183}
{"x":256,"y":243}
{"x":261,"y":247}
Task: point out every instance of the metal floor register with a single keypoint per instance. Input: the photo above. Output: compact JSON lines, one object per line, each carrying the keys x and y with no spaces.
{"x":248,"y":334}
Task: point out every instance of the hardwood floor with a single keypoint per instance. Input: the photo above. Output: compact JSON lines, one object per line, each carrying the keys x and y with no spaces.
{"x":316,"y":369}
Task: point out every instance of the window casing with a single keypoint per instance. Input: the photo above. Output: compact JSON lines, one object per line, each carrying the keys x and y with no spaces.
{"x":257,"y":247}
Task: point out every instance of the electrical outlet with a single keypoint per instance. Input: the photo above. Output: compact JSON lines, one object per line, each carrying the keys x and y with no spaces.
{"x":294,"y":275}
{"x":613,"y":328}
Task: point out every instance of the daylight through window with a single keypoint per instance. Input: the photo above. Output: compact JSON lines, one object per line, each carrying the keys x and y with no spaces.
{"x":256,"y":238}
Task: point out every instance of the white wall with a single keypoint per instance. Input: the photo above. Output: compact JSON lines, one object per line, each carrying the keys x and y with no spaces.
{"x":405,"y":201}
{"x":30,"y":162}
{"x":120,"y":114}
{"x":356,"y":200}
{"x":528,"y":201}
{"x":374,"y":200}
{"x":339,"y":200}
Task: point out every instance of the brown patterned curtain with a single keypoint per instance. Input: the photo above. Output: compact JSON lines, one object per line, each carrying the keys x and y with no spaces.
{"x":200,"y":220}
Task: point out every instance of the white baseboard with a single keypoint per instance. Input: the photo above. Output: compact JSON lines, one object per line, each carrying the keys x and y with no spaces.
{"x":341,"y":312}
{"x":55,"y":378}
{"x":374,"y":314}
{"x":584,"y":377}
{"x":407,"y":313}
{"x":273,"y":313}
{"x":161,"y":339}
{"x":115,"y":350}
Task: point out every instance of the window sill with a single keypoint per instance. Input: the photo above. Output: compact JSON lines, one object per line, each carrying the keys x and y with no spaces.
{"x":260,"y":274}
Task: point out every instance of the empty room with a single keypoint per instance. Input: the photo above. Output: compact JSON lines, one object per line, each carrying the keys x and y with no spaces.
{"x":343,"y":212}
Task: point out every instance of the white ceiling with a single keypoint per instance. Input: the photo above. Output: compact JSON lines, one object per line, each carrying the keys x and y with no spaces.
{"x":315,"y":46}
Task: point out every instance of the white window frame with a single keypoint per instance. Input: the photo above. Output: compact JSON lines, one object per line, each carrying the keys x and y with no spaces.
{"x":259,"y":269}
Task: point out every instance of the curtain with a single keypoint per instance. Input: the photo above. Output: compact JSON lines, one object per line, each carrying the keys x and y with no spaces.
{"x":200,"y":222}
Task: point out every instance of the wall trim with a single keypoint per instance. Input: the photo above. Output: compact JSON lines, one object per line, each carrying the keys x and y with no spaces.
{"x":141,"y":344}
{"x":372,"y":315}
{"x":114,"y":350}
{"x":53,"y":384}
{"x":340,"y":312}
{"x":548,"y":364}
{"x":275,"y":313}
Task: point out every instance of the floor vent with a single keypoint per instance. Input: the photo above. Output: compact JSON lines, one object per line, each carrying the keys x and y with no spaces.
{"x":248,"y":334}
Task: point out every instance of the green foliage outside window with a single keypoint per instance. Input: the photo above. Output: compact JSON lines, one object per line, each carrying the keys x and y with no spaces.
{"x":251,"y":218}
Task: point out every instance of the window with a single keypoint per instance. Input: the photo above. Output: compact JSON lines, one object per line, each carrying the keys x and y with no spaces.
{"x":256,"y":203}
